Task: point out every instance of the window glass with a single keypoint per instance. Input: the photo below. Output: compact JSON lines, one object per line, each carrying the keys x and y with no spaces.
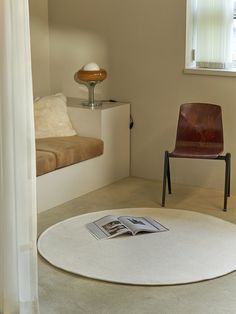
{"x":234,"y":37}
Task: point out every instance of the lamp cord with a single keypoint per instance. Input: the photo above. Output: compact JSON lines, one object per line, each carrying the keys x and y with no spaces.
{"x":131,"y":123}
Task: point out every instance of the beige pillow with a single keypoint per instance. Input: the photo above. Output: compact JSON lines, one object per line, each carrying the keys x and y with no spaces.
{"x":51,"y":117}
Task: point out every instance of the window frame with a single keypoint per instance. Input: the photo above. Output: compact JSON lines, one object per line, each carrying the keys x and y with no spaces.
{"x":190,"y":64}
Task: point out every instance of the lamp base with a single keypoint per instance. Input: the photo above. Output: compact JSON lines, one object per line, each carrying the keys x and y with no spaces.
{"x":92,"y":104}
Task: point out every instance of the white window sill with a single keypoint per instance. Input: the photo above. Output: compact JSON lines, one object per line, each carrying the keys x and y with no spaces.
{"x":215,"y":72}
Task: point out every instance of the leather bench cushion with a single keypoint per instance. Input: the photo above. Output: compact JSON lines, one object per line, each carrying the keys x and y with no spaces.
{"x":46,"y":162}
{"x":70,"y":149}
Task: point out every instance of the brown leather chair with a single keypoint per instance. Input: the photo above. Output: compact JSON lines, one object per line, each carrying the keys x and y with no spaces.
{"x":199,"y":135}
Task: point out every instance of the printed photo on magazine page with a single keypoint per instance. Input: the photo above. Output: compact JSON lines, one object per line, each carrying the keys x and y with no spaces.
{"x":111,"y":226}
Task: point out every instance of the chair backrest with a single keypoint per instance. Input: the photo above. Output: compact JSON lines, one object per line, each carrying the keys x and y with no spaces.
{"x":200,"y":123}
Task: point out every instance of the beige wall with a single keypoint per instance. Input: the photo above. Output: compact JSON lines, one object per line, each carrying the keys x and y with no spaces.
{"x":40,"y":46}
{"x":142,"y":44}
{"x":76,"y":38}
{"x":148,"y":47}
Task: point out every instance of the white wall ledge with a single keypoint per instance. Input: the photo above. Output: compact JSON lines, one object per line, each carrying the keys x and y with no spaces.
{"x":213,"y":72}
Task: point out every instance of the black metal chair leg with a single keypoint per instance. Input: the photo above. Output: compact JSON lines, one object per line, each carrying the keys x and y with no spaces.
{"x":227,"y":177}
{"x":168,"y":174}
{"x":164,"y":179}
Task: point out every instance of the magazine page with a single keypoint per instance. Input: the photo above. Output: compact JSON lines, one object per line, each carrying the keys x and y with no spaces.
{"x":139,"y":224}
{"x":107,"y":227}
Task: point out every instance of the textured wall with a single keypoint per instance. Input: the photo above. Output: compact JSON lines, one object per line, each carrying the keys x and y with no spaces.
{"x":77,"y":38}
{"x":142,"y":44}
{"x":40,"y":46}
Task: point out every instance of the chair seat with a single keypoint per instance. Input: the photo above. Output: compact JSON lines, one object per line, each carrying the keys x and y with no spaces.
{"x":196,"y":152}
{"x":194,"y":149}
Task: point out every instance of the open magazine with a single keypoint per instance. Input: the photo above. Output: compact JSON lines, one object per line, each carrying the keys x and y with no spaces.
{"x":111,"y":226}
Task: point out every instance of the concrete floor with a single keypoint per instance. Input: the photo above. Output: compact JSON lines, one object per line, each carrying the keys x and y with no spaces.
{"x":61,"y":292}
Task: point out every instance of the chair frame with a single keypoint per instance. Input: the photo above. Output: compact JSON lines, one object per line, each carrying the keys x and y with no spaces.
{"x":226,"y":158}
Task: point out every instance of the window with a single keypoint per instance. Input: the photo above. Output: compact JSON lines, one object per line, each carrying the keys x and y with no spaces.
{"x":234,"y":39}
{"x":211,"y":35}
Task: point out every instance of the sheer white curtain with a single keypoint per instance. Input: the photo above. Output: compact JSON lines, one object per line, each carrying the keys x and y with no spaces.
{"x":214,"y":30}
{"x":18,"y":255}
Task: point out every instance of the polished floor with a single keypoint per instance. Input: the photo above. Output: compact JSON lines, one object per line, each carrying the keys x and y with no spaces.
{"x":61,"y":292}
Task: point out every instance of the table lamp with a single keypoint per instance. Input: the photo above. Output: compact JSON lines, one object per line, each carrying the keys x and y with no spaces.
{"x":90,"y":75}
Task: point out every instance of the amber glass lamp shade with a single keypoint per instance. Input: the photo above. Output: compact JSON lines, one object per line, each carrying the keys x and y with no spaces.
{"x":90,"y":75}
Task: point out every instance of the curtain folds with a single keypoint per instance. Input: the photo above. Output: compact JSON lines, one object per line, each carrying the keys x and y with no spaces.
{"x":18,"y":254}
{"x":214,"y":31}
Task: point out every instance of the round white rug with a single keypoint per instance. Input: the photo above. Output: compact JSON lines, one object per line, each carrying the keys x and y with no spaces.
{"x":196,"y":247}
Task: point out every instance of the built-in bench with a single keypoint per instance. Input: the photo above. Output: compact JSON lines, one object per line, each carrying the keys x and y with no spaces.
{"x":58,"y":152}
{"x":68,"y":167}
